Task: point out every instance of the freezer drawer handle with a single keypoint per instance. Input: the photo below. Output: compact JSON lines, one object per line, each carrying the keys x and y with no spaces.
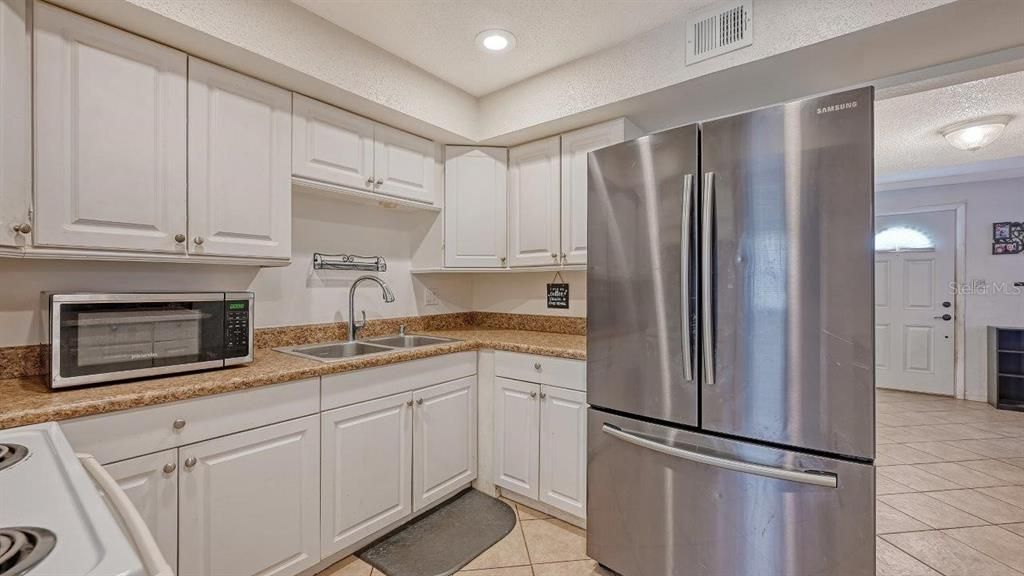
{"x":826,"y":479}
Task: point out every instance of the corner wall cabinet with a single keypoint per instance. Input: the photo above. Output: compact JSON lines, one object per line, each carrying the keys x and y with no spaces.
{"x":15,"y":123}
{"x":335,"y":147}
{"x":534,"y":203}
{"x":540,"y":430}
{"x":475,"y":199}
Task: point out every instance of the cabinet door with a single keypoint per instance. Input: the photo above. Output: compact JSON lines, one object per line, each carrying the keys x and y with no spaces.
{"x":15,"y":120}
{"x":575,"y":146}
{"x":331,"y":145}
{"x":151,"y":483}
{"x":109,"y":136}
{"x":403,"y":165}
{"x":534,"y":203}
{"x":366,"y":475}
{"x":239,"y":164}
{"x":474,"y":207}
{"x":249,"y":502}
{"x":563,"y":449}
{"x":516,"y":430}
{"x":444,"y":440}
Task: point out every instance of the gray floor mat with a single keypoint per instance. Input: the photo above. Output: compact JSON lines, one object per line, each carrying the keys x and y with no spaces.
{"x":444,"y":540}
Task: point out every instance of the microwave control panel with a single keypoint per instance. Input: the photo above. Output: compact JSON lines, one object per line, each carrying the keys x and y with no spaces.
{"x":236,"y":331}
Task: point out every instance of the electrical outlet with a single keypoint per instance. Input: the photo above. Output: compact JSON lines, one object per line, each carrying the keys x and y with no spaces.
{"x":429,"y":298}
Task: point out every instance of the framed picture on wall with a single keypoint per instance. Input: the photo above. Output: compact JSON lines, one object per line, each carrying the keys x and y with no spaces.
{"x":1007,"y":238}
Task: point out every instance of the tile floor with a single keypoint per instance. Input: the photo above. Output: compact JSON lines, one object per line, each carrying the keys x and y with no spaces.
{"x":950,"y":500}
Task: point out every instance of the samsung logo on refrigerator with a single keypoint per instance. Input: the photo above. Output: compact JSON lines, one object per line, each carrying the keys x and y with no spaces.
{"x":837,"y":107}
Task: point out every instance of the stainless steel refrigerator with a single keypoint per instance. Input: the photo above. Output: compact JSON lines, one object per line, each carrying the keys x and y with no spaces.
{"x":730,"y":346}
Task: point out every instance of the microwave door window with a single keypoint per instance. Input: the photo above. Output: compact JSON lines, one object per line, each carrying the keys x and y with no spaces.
{"x":99,"y":338}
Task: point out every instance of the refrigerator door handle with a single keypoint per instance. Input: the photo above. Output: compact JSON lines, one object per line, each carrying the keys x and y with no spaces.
{"x":707,"y":273}
{"x":823,"y":479}
{"x":685,"y":291}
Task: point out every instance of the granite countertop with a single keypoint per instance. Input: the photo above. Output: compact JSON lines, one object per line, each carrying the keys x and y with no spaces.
{"x":28,"y":400}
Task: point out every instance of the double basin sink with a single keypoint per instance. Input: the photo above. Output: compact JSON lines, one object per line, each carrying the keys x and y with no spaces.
{"x":335,"y":351}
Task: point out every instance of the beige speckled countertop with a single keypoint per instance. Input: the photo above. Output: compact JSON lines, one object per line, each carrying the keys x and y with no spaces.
{"x":28,"y":400}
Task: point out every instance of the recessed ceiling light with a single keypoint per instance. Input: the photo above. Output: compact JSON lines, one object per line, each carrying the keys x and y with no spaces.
{"x":975,"y":134}
{"x":496,"y":40}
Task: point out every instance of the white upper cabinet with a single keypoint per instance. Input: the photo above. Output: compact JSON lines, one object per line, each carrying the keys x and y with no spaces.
{"x":239,"y":164}
{"x":151,"y":484}
{"x":444,"y":440}
{"x":109,"y":136}
{"x":534,"y":203}
{"x":475,"y":194}
{"x":403,"y":164}
{"x":15,"y":123}
{"x":575,"y":146}
{"x":249,"y":502}
{"x":331,"y":145}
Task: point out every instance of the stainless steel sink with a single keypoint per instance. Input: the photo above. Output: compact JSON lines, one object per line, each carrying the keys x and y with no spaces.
{"x":409,"y":341}
{"x":335,"y":350}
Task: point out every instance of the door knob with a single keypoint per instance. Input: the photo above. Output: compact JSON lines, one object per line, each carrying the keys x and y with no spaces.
{"x":169,"y":468}
{"x":945,"y":317}
{"x":190,"y":462}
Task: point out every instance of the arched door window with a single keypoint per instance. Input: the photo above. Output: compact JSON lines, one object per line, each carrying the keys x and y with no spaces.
{"x":900,"y":238}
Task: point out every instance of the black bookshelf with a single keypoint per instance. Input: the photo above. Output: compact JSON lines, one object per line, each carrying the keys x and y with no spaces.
{"x":1006,"y":368}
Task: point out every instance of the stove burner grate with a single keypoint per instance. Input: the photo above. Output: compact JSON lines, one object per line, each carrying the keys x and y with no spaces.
{"x":23,"y":547}
{"x":11,"y":454}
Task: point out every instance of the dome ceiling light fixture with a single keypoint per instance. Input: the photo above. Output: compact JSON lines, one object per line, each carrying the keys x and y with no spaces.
{"x":495,"y":40}
{"x":975,"y":134}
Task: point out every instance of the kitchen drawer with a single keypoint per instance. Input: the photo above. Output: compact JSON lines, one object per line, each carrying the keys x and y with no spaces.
{"x":362,"y":385}
{"x":179,"y":330}
{"x":560,"y":372}
{"x":107,"y":334}
{"x":120,"y":435}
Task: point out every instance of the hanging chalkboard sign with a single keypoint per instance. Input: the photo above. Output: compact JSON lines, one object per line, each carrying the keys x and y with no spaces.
{"x":558,"y":295}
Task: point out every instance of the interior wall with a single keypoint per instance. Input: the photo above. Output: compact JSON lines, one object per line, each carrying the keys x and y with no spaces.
{"x":526,"y":293}
{"x":987,"y":202}
{"x":293,"y":294}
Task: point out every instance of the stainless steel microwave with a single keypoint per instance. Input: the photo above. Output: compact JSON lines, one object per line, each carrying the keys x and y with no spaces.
{"x":97,"y":338}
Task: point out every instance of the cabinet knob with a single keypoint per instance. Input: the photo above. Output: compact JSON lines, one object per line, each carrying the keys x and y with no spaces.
{"x":369,"y":181}
{"x":179,"y":238}
{"x":419,"y":401}
{"x":409,"y":403}
{"x":380,"y":182}
{"x":169,"y":468}
{"x":543,"y":395}
{"x":536,"y":366}
{"x":23,"y":228}
{"x":190,"y":462}
{"x":503,"y":259}
{"x":554,"y":256}
{"x":533,"y":394}
{"x":179,"y":424}
{"x":198,"y":240}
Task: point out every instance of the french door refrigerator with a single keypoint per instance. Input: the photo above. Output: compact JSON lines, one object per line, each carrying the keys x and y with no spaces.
{"x":730,"y":346}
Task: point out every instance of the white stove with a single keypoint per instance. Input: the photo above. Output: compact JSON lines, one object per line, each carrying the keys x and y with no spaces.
{"x":62,"y":515}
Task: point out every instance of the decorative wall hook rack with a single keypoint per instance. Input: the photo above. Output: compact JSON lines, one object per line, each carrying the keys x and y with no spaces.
{"x":349,"y":262}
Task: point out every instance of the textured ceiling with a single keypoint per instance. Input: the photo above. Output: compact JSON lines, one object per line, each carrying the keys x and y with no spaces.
{"x":439,"y":36}
{"x":907,"y":127}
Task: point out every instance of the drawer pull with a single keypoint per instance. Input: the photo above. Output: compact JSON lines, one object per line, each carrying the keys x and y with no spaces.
{"x":190,"y":462}
{"x":536,"y":366}
{"x":179,"y":424}
{"x":169,"y":468}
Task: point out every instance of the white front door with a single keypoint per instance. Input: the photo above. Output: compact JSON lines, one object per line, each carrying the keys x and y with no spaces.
{"x":914,"y":305}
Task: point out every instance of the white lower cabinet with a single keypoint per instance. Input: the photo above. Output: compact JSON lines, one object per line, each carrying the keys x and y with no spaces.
{"x":444,"y":440}
{"x":249,"y":502}
{"x":563,"y":449}
{"x":366,"y":476}
{"x":151,"y":483}
{"x":516,"y":436}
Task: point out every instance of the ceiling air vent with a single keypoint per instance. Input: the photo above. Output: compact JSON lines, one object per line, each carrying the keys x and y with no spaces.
{"x":721,"y":28}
